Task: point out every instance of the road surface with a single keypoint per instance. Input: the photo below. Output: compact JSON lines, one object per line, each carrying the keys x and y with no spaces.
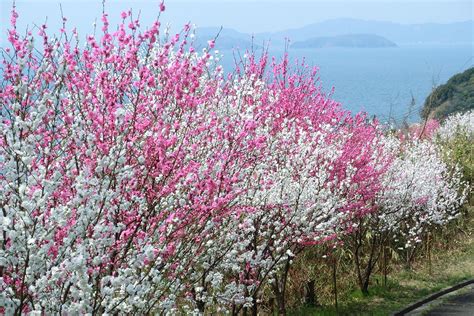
{"x":458,"y":303}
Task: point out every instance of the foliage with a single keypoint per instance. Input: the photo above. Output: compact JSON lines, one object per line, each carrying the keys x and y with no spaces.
{"x":456,"y":95}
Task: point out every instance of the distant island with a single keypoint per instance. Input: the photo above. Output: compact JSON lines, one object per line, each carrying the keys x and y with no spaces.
{"x":347,"y":40}
{"x":456,"y":95}
{"x":332,"y":32}
{"x":456,"y":32}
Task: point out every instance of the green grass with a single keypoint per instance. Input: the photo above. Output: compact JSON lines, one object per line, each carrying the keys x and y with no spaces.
{"x":405,"y":287}
{"x":381,"y":300}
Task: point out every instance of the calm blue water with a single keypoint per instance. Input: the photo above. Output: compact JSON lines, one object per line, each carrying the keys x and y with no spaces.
{"x":381,"y":81}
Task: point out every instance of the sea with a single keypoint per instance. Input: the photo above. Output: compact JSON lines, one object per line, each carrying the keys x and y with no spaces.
{"x":389,"y":83}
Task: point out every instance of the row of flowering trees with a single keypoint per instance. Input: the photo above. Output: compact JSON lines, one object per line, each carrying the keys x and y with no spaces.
{"x":137,"y":177}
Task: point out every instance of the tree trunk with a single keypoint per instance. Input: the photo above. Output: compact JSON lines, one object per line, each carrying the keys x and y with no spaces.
{"x":311,"y":294}
{"x":365,"y":287}
{"x":363,"y":278}
{"x":279,"y":288}
{"x":429,"y":254}
{"x":281,"y":307}
{"x":201,"y":306}
{"x":271,"y":303}
{"x":357,"y":262}
{"x":385,"y":265}
{"x":280,"y":298}
{"x":254,"y":306}
{"x":334,"y":280}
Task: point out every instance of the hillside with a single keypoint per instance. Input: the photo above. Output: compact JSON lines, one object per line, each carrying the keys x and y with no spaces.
{"x":347,"y":40}
{"x":456,"y":95}
{"x":226,"y":38}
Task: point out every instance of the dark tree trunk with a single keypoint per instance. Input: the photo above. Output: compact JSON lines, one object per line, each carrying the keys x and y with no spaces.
{"x":429,"y":254}
{"x":363,"y":277}
{"x":311,"y":294}
{"x":365,"y":287}
{"x":334,"y":281}
{"x":385,"y":265}
{"x":271,"y":302}
{"x":357,"y":262}
{"x":279,"y":288}
{"x":201,"y":306}
{"x":254,"y":306}
{"x":281,"y":304}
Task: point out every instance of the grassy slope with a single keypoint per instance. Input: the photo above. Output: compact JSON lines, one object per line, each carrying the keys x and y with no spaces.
{"x":449,"y":266}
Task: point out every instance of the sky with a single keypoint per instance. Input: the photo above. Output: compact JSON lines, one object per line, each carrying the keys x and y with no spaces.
{"x":251,"y":16}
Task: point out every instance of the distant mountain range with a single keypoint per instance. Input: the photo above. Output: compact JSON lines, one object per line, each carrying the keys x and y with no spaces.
{"x":226,"y":38}
{"x":348,"y":40}
{"x":398,"y":33}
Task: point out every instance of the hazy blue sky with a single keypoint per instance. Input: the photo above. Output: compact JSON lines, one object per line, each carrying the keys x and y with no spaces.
{"x":245,"y":15}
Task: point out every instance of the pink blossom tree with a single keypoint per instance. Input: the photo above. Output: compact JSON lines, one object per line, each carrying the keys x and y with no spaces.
{"x":115,"y":169}
{"x":318,"y":176}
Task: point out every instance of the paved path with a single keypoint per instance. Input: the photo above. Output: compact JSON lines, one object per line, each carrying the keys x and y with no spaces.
{"x":458,"y":303}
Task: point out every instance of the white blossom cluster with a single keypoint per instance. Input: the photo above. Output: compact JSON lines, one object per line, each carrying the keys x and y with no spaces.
{"x":60,"y":221}
{"x":291,"y":200}
{"x":459,"y":123}
{"x":419,"y":190}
